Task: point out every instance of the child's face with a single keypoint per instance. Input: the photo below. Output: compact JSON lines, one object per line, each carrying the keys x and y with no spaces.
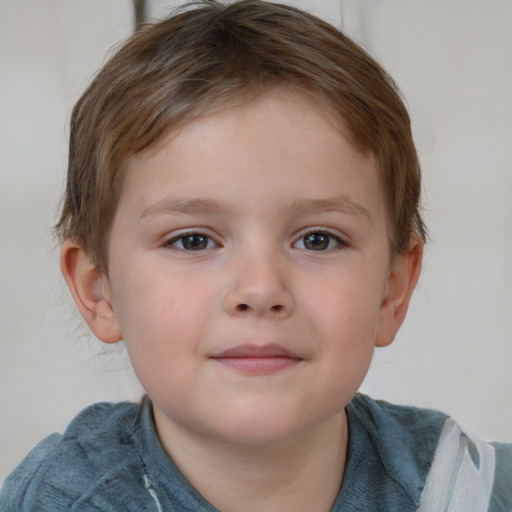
{"x":249,"y":272}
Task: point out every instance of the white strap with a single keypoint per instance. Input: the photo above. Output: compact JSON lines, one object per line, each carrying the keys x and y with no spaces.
{"x":462,"y":473}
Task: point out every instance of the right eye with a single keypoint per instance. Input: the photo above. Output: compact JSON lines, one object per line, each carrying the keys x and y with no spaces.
{"x":192,"y":242}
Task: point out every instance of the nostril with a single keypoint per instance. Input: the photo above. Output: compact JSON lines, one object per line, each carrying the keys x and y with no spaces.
{"x":246,"y":308}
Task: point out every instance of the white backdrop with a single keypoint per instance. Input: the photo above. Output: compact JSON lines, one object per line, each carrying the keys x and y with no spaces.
{"x":453,"y":60}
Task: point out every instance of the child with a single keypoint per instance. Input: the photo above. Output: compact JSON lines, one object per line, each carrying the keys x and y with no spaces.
{"x":242,"y":209}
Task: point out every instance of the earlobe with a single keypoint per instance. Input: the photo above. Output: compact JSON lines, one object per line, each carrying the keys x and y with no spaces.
{"x":402,"y":280}
{"x":91,"y":292}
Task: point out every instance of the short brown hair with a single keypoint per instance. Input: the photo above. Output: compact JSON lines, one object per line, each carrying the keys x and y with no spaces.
{"x":209,"y":55}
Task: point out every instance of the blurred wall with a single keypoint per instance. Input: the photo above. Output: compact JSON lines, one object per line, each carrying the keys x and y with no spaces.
{"x":48,"y":372}
{"x":453,"y":60}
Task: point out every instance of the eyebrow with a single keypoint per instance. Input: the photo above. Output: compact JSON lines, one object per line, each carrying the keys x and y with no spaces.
{"x":342,"y":204}
{"x":174,"y":205}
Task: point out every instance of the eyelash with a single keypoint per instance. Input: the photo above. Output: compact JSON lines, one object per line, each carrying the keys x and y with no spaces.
{"x":331,"y":237}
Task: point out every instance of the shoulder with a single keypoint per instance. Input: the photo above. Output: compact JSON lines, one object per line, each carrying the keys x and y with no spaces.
{"x":453,"y":470}
{"x":62,"y":469}
{"x":390,"y":452}
{"x":410,"y":432}
{"x":468,"y":474}
{"x":404,"y":437}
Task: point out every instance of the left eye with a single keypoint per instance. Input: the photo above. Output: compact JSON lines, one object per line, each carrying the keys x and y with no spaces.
{"x":192,"y":242}
{"x":318,"y":241}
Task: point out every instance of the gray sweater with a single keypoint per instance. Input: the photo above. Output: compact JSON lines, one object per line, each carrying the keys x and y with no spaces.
{"x":110,"y":459}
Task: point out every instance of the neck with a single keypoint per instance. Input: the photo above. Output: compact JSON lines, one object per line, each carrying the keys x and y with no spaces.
{"x":302,"y":475}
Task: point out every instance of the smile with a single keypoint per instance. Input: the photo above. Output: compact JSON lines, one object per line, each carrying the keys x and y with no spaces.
{"x":257,"y":359}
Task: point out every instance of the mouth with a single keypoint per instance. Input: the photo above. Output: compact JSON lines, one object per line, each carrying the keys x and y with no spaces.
{"x":257,"y":359}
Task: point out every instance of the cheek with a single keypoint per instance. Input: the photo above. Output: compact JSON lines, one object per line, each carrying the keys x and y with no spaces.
{"x":346,"y":353}
{"x":162,"y":333}
{"x":159,"y":318}
{"x":151,"y":297}
{"x":345,"y":316}
{"x":348,"y":304}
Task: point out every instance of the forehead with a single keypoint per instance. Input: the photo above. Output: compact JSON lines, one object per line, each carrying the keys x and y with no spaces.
{"x":238,"y":100}
{"x":277,"y":141}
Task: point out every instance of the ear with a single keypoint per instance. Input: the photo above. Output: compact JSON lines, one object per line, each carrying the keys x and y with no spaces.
{"x":91,"y":291}
{"x":403,"y":276}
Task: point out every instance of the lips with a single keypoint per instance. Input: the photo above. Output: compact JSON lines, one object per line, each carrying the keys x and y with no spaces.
{"x":250,"y":350}
{"x":257,"y":359}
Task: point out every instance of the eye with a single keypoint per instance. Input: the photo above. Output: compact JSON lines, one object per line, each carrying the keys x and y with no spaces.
{"x":192,"y":242}
{"x":319,"y":241}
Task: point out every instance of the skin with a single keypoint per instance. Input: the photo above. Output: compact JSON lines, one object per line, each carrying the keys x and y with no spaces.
{"x":250,"y":278}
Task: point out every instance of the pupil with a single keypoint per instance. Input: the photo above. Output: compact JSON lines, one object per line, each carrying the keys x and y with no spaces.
{"x":195,"y":242}
{"x":316,"y":241}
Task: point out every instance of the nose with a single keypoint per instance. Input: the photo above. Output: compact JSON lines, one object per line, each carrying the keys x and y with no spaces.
{"x":259,"y":288}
